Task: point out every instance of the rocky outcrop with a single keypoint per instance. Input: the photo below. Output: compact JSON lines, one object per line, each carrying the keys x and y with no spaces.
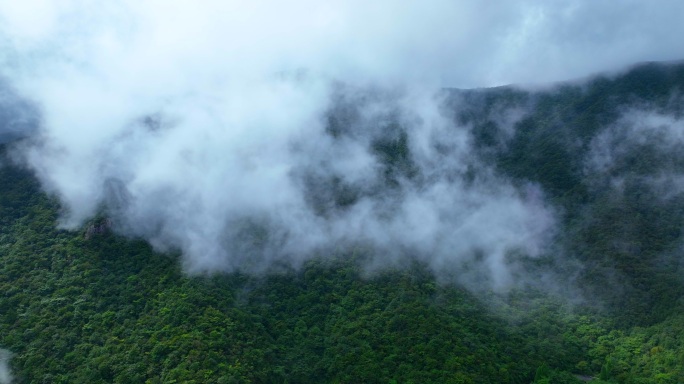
{"x":97,"y":228}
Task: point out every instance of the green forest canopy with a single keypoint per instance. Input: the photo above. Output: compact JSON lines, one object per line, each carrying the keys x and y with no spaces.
{"x":102,"y":308}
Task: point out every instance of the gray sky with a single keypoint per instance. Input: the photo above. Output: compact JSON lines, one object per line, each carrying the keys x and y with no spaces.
{"x":446,"y":42}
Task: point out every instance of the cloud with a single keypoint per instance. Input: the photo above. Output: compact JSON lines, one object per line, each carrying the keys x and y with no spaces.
{"x":5,"y":372}
{"x":163,"y":44}
{"x":645,"y":146}
{"x":564,"y":40}
{"x":251,"y":133}
{"x":18,"y":116}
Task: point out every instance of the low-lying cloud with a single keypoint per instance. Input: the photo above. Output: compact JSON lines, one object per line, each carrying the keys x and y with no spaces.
{"x":18,"y":117}
{"x":251,"y":134}
{"x":384,"y":172}
{"x":6,"y":376}
{"x":645,"y":144}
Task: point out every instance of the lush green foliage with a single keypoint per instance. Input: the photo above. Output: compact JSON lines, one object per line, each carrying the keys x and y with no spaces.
{"x":621,"y":225}
{"x":102,"y":309}
{"x":107,"y":309}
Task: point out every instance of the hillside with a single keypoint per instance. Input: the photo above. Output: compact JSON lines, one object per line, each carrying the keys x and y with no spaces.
{"x":603,"y":300}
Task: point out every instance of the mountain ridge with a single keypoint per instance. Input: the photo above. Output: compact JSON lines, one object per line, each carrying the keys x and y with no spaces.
{"x":606,"y":156}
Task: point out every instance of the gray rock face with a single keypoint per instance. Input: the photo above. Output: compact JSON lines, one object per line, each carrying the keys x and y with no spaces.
{"x":98,"y":228}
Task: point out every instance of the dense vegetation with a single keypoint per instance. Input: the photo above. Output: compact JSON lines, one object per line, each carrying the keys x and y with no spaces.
{"x":92,"y":307}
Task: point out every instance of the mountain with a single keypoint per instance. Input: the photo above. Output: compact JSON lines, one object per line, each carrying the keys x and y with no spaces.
{"x":601,"y":300}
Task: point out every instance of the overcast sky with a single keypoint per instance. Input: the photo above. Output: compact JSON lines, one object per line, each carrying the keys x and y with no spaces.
{"x":446,"y":42}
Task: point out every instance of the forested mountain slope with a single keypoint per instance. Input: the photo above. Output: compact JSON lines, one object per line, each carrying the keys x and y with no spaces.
{"x":607,"y":155}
